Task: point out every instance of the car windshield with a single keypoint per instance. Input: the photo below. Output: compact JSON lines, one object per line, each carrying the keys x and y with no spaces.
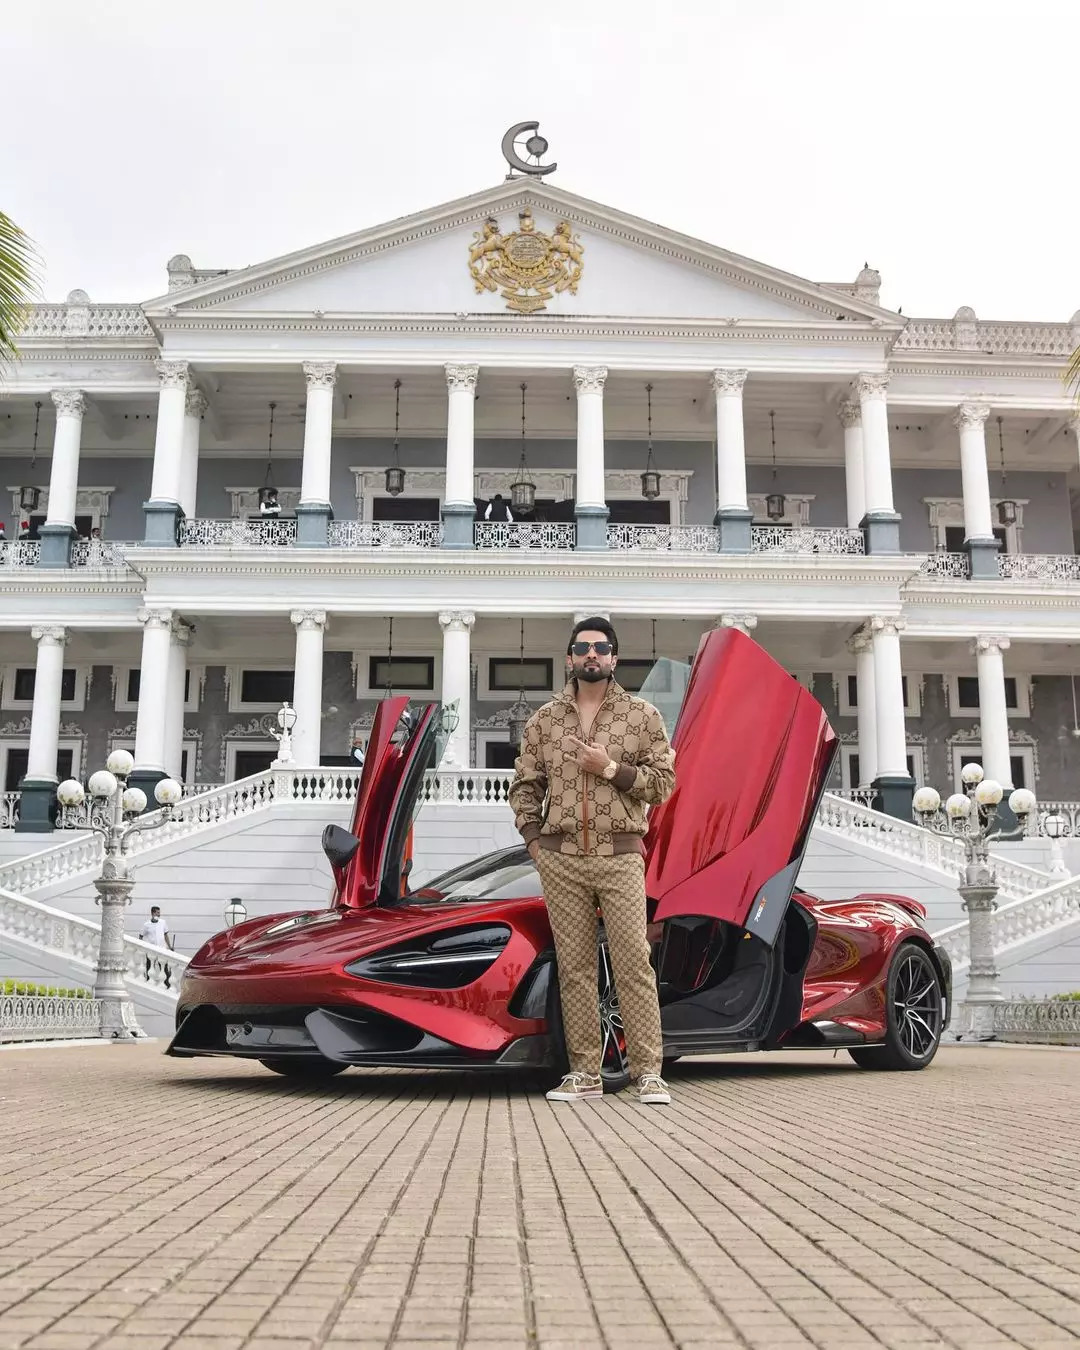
{"x":508,"y":875}
{"x":665,"y":688}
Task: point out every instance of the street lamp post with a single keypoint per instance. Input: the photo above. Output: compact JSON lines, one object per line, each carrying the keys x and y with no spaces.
{"x":286,"y":720}
{"x":115,"y":813}
{"x":1054,"y":827}
{"x":971,"y":817}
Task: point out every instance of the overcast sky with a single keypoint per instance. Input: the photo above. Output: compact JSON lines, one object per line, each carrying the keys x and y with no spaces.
{"x":935,"y":140}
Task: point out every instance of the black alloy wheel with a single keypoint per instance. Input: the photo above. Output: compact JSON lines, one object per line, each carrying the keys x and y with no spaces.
{"x":308,"y":1069}
{"x":914,"y":1013}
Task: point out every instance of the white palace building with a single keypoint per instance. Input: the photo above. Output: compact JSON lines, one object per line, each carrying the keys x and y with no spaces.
{"x":407,"y":458}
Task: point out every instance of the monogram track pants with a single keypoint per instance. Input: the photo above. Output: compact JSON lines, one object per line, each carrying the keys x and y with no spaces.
{"x":573,"y":888}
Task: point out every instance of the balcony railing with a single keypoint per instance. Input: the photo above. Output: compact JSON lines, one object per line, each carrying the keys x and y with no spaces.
{"x":663,"y":538}
{"x":499,"y":534}
{"x":804,"y":541}
{"x":946,"y":566}
{"x":19,"y":552}
{"x":388,"y":534}
{"x":1040,"y":566}
{"x":98,"y":553}
{"x":237,"y":533}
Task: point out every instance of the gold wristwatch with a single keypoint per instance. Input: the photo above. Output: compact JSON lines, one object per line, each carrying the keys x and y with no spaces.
{"x":611,"y":770}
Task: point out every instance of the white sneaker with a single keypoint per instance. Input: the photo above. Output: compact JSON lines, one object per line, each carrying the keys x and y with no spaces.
{"x":576,"y":1086}
{"x":652,"y":1090}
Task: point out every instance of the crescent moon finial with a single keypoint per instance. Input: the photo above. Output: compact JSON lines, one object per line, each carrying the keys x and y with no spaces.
{"x":536,"y":147}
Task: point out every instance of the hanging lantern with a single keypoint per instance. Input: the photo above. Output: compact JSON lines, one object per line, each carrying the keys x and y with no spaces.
{"x":519,"y":712}
{"x":1006,"y":510}
{"x":269,"y":505}
{"x":650,"y":479}
{"x":522,"y":490}
{"x":775,"y":502}
{"x":395,"y":474}
{"x":30,"y":497}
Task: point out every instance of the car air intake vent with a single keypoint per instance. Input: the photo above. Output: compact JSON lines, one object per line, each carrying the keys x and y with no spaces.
{"x":449,"y":959}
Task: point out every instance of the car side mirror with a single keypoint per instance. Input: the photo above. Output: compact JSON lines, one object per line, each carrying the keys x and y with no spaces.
{"x":339,"y":846}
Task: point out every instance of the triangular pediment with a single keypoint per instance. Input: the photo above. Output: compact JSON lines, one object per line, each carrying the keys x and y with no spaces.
{"x":601,"y":263}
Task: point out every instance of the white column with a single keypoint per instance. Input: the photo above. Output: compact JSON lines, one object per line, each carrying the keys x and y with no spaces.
{"x":457,"y":681}
{"x":866,"y":706}
{"x":993,"y":711}
{"x":460,"y":419}
{"x":310,"y":627}
{"x":150,"y":721}
{"x":180,"y":637}
{"x":45,"y":714}
{"x":730,"y":440}
{"x":321,"y":377}
{"x":872,"y":389}
{"x":64,"y":476}
{"x":169,"y":436}
{"x":589,"y":383}
{"x":744,"y":623}
{"x":889,"y":698}
{"x":970,"y":420}
{"x":850,"y":415}
{"x":194,"y":408}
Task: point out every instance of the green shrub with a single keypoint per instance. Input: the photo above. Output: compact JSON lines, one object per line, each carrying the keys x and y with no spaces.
{"x":1074,"y":996}
{"x":30,"y":989}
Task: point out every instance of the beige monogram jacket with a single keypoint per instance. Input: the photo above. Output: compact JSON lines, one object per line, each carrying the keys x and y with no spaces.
{"x":570,"y":810}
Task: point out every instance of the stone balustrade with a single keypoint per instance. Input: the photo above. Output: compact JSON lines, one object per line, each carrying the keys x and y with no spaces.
{"x":1033,"y":915}
{"x":39,"y":1017}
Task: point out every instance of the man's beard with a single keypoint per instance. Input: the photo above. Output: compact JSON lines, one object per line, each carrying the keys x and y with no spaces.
{"x":591,"y":674}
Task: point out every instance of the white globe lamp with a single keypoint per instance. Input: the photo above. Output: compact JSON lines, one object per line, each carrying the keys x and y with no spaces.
{"x":958,"y":807}
{"x":134,"y":800}
{"x":971,"y":774}
{"x":1022,"y":802}
{"x":168,"y":792}
{"x":121,"y":763}
{"x":989,"y":792}
{"x":926,"y":800}
{"x":102,"y":783}
{"x":70,"y":793}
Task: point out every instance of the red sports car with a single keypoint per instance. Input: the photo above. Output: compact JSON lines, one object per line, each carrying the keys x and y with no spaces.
{"x":461,"y":972}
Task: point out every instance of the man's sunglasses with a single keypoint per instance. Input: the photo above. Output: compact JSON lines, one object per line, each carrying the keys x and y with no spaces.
{"x":584,"y":648}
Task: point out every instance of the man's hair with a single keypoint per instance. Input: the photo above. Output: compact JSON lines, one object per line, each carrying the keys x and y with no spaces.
{"x":596,"y":625}
{"x":155,"y":909}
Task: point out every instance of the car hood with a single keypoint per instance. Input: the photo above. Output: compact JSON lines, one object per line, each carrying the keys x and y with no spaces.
{"x":753,"y":750}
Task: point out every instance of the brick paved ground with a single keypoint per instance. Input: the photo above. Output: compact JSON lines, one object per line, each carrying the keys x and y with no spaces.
{"x":149,"y":1203}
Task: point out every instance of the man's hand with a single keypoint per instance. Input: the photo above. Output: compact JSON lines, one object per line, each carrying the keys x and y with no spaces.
{"x":534,"y":848}
{"x":592,"y":756}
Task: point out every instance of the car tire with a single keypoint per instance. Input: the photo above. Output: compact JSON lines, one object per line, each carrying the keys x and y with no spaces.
{"x":308,"y":1069}
{"x":615,"y":1066}
{"x":914,"y":1008}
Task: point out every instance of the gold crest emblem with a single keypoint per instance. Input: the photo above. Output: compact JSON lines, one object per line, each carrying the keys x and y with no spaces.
{"x":530,"y":267}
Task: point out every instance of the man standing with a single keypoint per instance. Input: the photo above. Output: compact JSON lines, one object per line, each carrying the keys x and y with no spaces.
{"x":599,"y":756}
{"x":156,"y":931}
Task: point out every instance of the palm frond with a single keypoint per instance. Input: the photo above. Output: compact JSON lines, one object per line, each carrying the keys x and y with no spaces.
{"x":18,"y":281}
{"x":1072,"y":374}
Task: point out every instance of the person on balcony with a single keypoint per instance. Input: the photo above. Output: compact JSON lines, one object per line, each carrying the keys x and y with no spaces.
{"x":597,"y":756}
{"x":498,"y":510}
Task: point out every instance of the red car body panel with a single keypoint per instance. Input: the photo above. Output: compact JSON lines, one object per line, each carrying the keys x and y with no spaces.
{"x":753,"y":749}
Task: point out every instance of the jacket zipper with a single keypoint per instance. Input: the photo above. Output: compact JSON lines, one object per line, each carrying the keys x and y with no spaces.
{"x":585,"y":808}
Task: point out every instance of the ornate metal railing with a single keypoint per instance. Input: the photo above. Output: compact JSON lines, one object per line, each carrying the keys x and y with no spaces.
{"x":549,"y":534}
{"x":804,"y":541}
{"x":1040,"y":566}
{"x":39,"y":1017}
{"x":663,"y":538}
{"x":19,"y":552}
{"x":270,"y":533}
{"x":864,"y":796}
{"x":1035,"y":915}
{"x":403,"y":534}
{"x":98,"y":553}
{"x":9,"y":809}
{"x":1038,"y":1021}
{"x":948,"y":566}
{"x":1069,"y":812}
{"x":905,"y":839}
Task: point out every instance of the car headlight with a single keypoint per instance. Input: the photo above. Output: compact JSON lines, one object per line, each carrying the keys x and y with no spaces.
{"x":445,"y":960}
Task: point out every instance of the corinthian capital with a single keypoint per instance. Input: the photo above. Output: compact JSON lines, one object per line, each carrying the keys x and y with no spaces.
{"x":849,"y":413}
{"x":590,"y":379}
{"x":457,"y":620}
{"x":172,"y":374}
{"x":887,"y":626}
{"x":155,"y":618}
{"x":860,"y":641}
{"x":308,"y":619}
{"x":990,"y":642}
{"x":872,"y":385}
{"x":320,"y":374}
{"x":195,"y":403}
{"x":461,"y":379}
{"x":728,"y":382}
{"x":69,"y":402}
{"x":49,"y":636}
{"x":971,"y":415}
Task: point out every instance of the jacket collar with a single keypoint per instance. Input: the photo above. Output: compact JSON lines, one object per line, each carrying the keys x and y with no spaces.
{"x":569,"y":693}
